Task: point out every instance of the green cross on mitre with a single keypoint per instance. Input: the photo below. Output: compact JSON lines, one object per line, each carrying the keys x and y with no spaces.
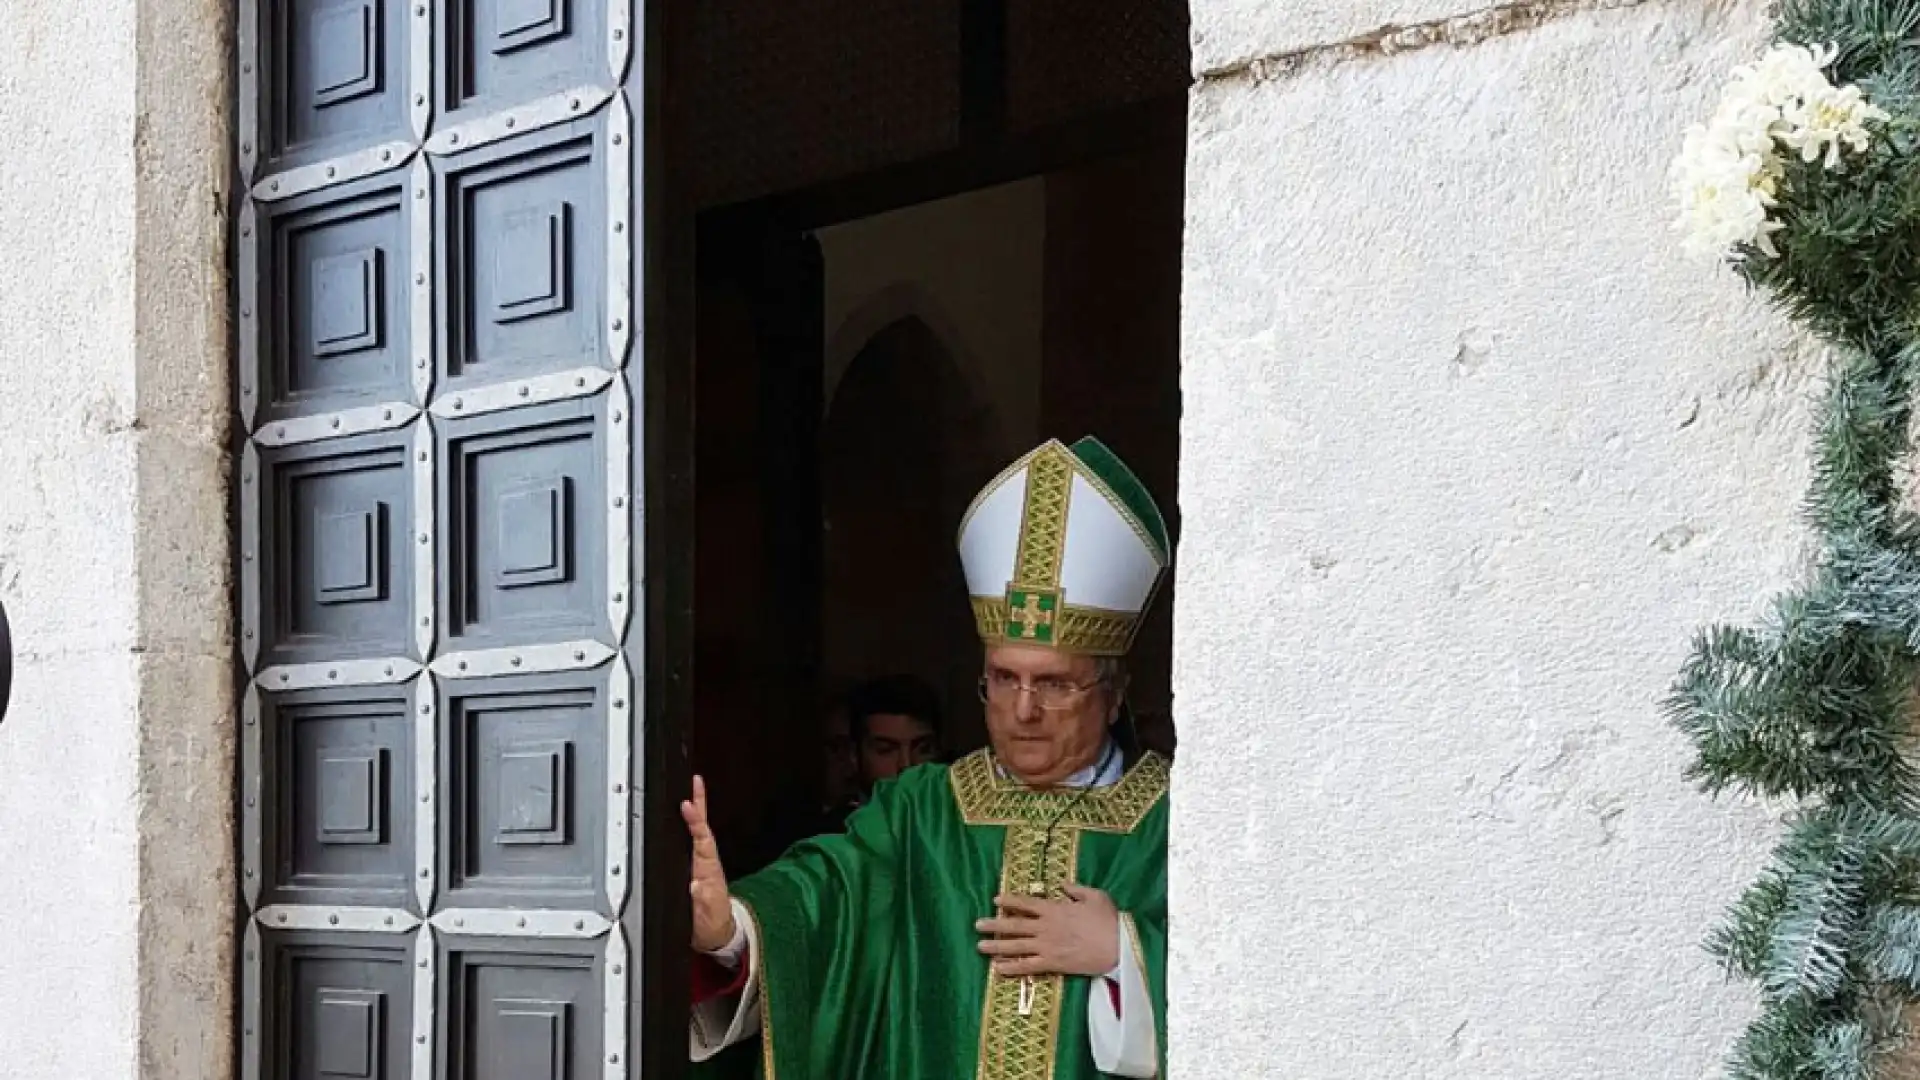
{"x":1031,"y":614}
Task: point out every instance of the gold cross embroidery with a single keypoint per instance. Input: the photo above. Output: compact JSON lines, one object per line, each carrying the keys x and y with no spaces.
{"x":1030,"y":617}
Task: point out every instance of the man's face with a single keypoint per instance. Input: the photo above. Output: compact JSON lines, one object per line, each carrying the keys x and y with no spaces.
{"x":892,"y":745}
{"x":1043,"y":746}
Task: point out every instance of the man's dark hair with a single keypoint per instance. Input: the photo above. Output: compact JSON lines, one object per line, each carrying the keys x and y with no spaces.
{"x":892,"y":695}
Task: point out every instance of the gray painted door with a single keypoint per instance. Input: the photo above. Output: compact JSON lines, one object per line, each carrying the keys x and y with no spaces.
{"x":436,"y":246}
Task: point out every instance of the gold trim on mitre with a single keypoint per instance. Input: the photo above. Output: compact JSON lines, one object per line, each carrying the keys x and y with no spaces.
{"x":1043,"y":519}
{"x":1085,"y":630}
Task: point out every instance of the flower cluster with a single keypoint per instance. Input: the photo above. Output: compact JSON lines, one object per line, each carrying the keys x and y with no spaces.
{"x":1728,"y":171}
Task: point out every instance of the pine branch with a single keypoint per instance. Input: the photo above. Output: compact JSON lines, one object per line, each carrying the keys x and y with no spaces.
{"x":1890,"y":945}
{"x":1816,"y":703}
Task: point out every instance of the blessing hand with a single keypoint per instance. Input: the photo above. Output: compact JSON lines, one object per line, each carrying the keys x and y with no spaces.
{"x":712,"y":904}
{"x":1076,"y":936}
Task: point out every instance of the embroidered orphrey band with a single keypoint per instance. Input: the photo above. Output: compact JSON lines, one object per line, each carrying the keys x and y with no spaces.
{"x":1020,"y":1021}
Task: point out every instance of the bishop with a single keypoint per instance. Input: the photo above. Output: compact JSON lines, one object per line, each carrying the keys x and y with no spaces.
{"x":1003,"y":918}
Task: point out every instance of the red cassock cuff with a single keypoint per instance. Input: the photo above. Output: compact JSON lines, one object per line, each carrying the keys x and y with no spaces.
{"x":713,"y":980}
{"x":1113,"y":994}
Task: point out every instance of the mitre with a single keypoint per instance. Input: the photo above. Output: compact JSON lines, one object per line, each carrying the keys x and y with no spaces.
{"x":1064,"y":550}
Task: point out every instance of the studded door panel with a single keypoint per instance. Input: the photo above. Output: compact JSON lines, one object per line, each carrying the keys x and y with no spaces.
{"x":439,"y":511}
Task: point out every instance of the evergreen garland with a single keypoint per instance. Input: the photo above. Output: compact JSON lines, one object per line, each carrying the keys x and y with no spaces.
{"x":1816,"y":705}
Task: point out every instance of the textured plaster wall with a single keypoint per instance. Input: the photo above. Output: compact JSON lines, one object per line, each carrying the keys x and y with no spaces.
{"x":1469,"y":451}
{"x":115,"y":760}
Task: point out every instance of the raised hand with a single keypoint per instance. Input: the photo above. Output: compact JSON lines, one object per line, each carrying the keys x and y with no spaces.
{"x":1076,"y":936}
{"x":712,"y":903}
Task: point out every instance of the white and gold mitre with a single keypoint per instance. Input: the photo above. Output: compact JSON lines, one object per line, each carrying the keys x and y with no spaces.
{"x":1065,"y":550}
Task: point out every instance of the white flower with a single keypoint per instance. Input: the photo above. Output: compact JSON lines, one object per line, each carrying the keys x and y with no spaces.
{"x":1728,"y":171}
{"x":1724,"y":196}
{"x":1725,"y":180}
{"x":1784,"y":74}
{"x":1821,"y":123}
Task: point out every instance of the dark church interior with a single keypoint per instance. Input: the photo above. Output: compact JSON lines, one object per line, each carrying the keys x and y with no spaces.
{"x":929,"y":234}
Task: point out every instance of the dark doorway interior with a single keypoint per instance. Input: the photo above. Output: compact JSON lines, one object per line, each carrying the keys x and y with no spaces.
{"x":928,"y":234}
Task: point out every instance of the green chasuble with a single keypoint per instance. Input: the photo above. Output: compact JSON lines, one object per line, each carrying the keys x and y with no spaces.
{"x":870,"y":966}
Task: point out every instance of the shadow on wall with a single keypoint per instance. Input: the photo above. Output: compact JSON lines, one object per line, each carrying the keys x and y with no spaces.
{"x":6,"y":662}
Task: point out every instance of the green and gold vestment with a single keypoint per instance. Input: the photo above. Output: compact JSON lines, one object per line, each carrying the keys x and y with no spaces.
{"x":869,"y":966}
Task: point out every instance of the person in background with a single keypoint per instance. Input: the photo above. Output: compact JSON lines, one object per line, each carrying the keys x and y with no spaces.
{"x":880,"y":729}
{"x":895,"y":723}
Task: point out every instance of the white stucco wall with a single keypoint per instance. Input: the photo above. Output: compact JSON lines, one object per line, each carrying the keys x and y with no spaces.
{"x":68,"y":761}
{"x":1469,"y":452}
{"x":115,"y":763}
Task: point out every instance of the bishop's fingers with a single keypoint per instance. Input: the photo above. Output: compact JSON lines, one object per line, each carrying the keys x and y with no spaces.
{"x":1015,"y":928}
{"x":1007,"y":947}
{"x":1028,"y":906}
{"x":1017,"y":967}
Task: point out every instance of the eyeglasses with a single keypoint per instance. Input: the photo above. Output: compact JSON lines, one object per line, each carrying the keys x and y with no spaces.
{"x":1052,"y":695}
